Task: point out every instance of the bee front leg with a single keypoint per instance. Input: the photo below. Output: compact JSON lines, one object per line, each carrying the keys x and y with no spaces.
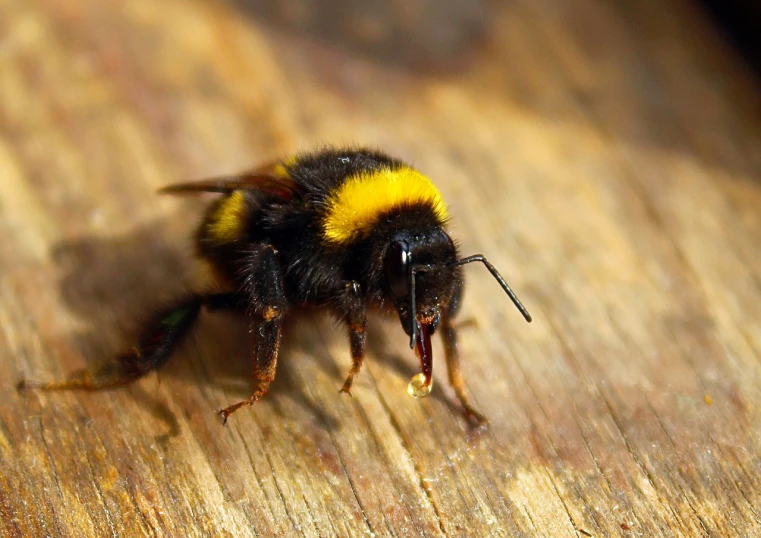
{"x":263,"y":285}
{"x":354,"y":311}
{"x":452,"y":355}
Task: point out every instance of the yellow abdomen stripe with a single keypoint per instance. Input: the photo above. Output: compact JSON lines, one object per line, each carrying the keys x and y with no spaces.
{"x":226,"y":222}
{"x":356,"y":205}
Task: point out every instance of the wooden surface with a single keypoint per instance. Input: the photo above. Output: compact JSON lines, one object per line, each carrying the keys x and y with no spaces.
{"x":604,"y":155}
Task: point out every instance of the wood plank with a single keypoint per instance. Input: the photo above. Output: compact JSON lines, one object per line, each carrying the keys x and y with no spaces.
{"x":603,"y":155}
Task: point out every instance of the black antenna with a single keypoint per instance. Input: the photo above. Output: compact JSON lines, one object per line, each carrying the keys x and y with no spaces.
{"x":413,"y":316}
{"x":495,"y":274}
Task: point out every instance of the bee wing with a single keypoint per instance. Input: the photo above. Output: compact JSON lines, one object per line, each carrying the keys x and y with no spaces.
{"x":281,"y":186}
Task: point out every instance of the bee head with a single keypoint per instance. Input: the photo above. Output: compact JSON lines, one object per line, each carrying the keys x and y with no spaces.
{"x":419,"y":278}
{"x":414,"y":263}
{"x":421,"y":272}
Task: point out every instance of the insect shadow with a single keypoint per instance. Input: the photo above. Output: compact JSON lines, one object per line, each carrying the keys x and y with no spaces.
{"x":111,"y":282}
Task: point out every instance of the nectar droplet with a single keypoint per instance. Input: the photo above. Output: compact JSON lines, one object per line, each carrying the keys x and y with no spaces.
{"x":417,"y":387}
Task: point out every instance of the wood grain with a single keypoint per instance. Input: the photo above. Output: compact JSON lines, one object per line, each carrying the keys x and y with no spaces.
{"x":604,"y":155}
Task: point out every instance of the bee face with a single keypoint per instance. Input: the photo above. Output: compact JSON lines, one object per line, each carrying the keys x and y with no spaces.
{"x":419,"y":263}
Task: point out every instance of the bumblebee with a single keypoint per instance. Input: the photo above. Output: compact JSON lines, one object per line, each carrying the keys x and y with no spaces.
{"x":345,"y":230}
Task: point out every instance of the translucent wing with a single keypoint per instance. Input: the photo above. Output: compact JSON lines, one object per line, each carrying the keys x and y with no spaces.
{"x":278,"y":185}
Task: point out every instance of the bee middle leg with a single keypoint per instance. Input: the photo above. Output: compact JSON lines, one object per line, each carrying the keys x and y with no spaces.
{"x":354,"y":310}
{"x":263,"y":284}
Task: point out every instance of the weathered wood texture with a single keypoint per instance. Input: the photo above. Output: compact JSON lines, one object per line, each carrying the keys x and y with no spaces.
{"x":605,"y":155}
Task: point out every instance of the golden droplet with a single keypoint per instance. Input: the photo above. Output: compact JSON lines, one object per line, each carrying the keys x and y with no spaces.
{"x":417,"y":387}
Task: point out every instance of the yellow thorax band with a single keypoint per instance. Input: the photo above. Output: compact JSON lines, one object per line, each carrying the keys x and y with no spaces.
{"x":355,"y":206}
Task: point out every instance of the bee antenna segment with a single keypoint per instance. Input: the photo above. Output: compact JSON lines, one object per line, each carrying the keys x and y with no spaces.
{"x":498,"y":277}
{"x":413,"y":316}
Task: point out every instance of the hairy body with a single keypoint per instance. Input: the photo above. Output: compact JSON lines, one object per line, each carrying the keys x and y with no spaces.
{"x":342,"y":230}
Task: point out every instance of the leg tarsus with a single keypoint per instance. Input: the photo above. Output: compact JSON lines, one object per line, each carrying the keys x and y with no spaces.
{"x":346,"y":388}
{"x":348,"y":382}
{"x":81,"y":379}
{"x":227,"y":411}
{"x":106,"y":375}
{"x":261,"y":389}
{"x":157,"y":340}
{"x":449,"y":336}
{"x":354,"y":311}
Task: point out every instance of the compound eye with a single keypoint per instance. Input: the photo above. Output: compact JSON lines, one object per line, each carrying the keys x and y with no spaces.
{"x":397,"y":264}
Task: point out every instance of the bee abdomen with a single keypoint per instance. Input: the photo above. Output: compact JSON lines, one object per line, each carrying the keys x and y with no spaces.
{"x":226,"y":219}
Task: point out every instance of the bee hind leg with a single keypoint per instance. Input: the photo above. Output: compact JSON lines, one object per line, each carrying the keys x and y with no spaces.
{"x":159,"y":337}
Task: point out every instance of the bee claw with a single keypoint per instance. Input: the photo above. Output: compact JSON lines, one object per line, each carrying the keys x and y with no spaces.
{"x":346,"y":387}
{"x":222,"y":414}
{"x":477,"y":419}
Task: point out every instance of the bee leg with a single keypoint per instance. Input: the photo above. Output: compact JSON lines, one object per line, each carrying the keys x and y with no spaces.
{"x":452,"y":355}
{"x":157,"y":340}
{"x":355,"y":309}
{"x":267,"y":305}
